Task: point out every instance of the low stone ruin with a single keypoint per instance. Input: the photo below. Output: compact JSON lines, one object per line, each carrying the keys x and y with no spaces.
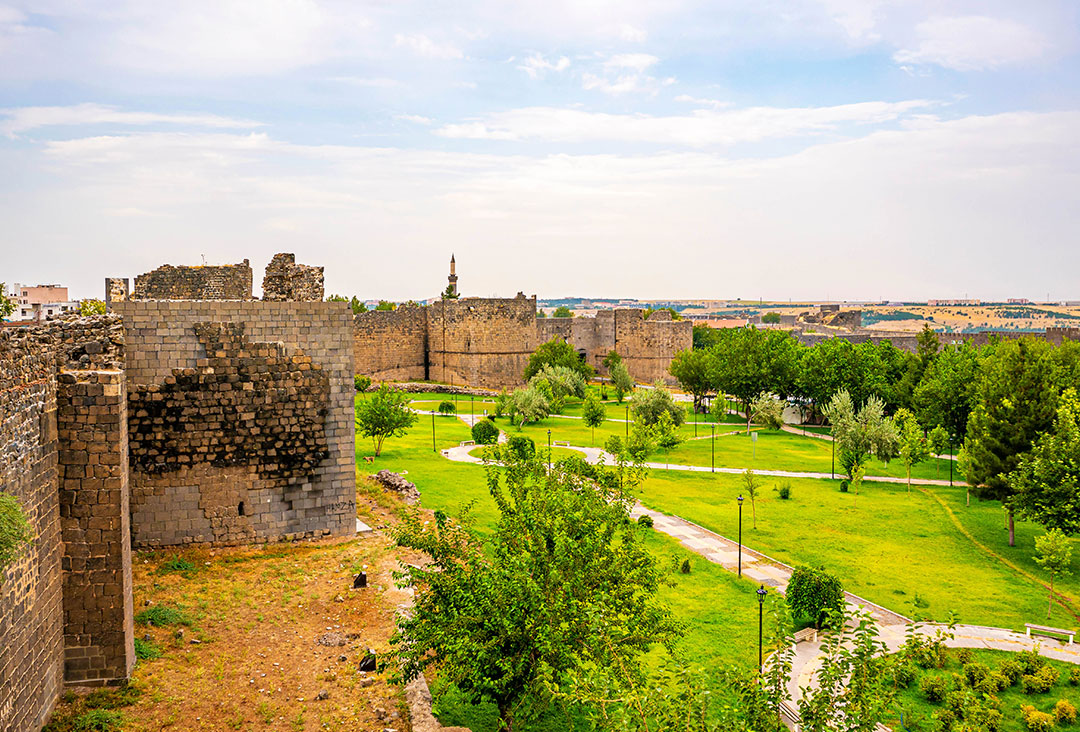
{"x":397,"y":484}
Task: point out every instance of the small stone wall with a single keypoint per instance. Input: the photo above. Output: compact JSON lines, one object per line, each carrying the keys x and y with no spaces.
{"x":207,"y":282}
{"x":287,"y":281}
{"x":94,"y":517}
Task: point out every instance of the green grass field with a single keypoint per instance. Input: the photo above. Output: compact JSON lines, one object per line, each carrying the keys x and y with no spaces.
{"x":918,"y":711}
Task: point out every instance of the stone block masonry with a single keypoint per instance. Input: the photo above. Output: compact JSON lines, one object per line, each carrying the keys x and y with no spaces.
{"x":287,"y":281}
{"x":94,"y":519}
{"x":241,"y":421}
{"x":31,"y":609}
{"x":217,"y":282}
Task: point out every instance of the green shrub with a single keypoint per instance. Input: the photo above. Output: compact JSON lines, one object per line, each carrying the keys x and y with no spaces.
{"x":934,"y":688}
{"x":685,"y":568}
{"x":1064,"y":712}
{"x":1074,"y":676}
{"x":814,"y":593}
{"x":162,"y":616}
{"x":145,"y":650}
{"x":447,"y":407}
{"x":964,"y":656}
{"x":1012,"y":670}
{"x":1035,"y":720}
{"x":946,"y":718}
{"x":904,"y":674}
{"x":485,"y":433}
{"x":1041,"y":681}
{"x":361,"y":382}
{"x":646,"y":521}
{"x":16,"y":534}
{"x":1031,"y":660}
{"x":783,"y":490}
{"x":176,"y":563}
{"x":844,"y":486}
{"x":975,"y":673}
{"x":993,"y":683}
{"x":113,"y":697}
{"x":521,"y":447}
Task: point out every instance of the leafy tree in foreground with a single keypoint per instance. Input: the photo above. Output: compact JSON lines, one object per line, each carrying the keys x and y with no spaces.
{"x":556,"y":352}
{"x":1016,"y":400}
{"x":361,"y":382}
{"x":593,"y":414}
{"x":565,"y":586}
{"x":1046,"y":483}
{"x":526,"y":405}
{"x":767,"y":409}
{"x":812,"y":593}
{"x":16,"y":533}
{"x":384,"y":414}
{"x":649,"y":404}
{"x":1055,"y":556}
{"x":621,"y":381}
{"x":912,"y":448}
{"x":557,"y":383}
{"x":938,"y":442}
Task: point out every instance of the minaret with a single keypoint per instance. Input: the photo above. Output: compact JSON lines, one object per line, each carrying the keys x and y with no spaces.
{"x":452,"y":288}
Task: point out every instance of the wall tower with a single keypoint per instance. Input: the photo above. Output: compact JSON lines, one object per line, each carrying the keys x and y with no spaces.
{"x":451,"y":289}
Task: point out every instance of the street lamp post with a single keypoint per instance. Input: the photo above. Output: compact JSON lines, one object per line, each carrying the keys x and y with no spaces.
{"x":833,"y":441}
{"x":549,"y":451}
{"x":627,"y":420}
{"x":760,"y":627}
{"x":433,"y":448}
{"x":951,"y":461}
{"x":472,"y":417}
{"x":712,"y":445}
{"x":740,"y":536}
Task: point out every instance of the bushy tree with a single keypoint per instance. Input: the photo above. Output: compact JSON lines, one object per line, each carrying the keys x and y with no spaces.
{"x":361,"y":382}
{"x":666,"y":433}
{"x":696,"y":373}
{"x":649,"y":404}
{"x":526,"y":405}
{"x":556,"y":352}
{"x":562,"y":312}
{"x":705,"y":337}
{"x":621,"y":381}
{"x":1055,"y":556}
{"x":938,"y":442}
{"x":767,"y":409}
{"x":1016,"y":400}
{"x":447,"y":407}
{"x":566,"y":585}
{"x":749,"y":361}
{"x":383,"y":414}
{"x":946,"y":393}
{"x":859,"y":435}
{"x":386,"y":305}
{"x":484,"y":432}
{"x":557,"y":383}
{"x":1046,"y":482}
{"x":593,"y":414}
{"x":813,"y":593}
{"x":611,"y":359}
{"x":913,"y":448}
{"x":752,"y":489}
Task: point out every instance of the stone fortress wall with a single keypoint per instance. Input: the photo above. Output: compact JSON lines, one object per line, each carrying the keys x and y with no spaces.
{"x":487,"y":342}
{"x":287,"y":281}
{"x":206,"y":282}
{"x":190,"y":421}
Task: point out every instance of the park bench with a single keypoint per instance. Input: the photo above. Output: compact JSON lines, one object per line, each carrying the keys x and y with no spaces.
{"x":466,"y":443}
{"x":1047,"y":630}
{"x":806,"y":634}
{"x":369,"y":459}
{"x":561,"y":443}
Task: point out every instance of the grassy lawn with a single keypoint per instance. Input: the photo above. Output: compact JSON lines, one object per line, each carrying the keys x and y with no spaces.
{"x":918,"y":711}
{"x":899,"y":550}
{"x":718,"y":611}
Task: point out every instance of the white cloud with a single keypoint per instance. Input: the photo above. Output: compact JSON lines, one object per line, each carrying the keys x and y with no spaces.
{"x":415,"y":118}
{"x":632,"y":34}
{"x":964,"y":194}
{"x":634,"y":61}
{"x":973,"y":43}
{"x":377,"y":82}
{"x":702,"y":128}
{"x":22,"y":119}
{"x":537,"y":66}
{"x":422,"y":45}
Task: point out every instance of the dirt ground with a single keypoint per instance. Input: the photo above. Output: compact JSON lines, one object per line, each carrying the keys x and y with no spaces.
{"x":259,"y":638}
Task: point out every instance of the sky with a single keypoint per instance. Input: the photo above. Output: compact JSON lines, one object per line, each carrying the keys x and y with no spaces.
{"x":795,"y":149}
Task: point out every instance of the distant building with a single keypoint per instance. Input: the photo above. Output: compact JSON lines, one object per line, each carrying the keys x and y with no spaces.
{"x":953,"y":303}
{"x":1018,"y":301}
{"x":41,"y":301}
